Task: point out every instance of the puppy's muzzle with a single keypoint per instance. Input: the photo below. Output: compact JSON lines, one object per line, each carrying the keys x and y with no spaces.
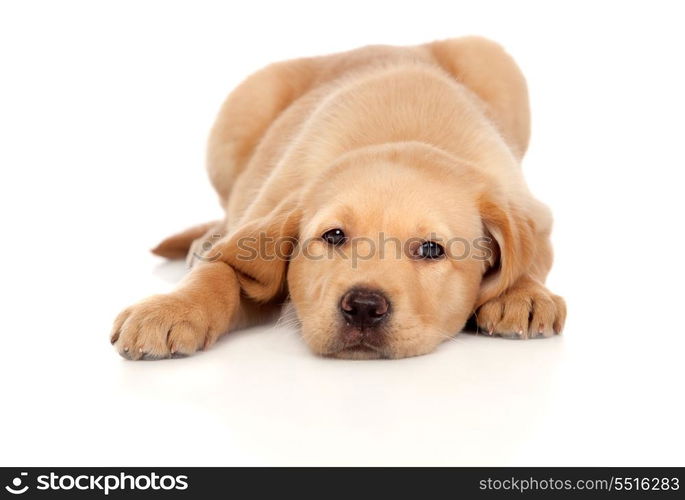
{"x":364,"y":311}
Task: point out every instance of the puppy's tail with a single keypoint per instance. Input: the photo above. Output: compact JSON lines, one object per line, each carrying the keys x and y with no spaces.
{"x":178,"y":245}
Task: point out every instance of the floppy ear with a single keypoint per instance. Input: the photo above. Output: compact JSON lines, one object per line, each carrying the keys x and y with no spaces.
{"x":260,"y":250}
{"x":512,"y":246}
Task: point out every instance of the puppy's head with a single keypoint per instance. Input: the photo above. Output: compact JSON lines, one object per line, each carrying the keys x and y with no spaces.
{"x":389,"y":252}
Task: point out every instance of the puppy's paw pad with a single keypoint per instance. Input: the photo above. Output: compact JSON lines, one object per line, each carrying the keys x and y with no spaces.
{"x":523,"y":313}
{"x":159,"y":327}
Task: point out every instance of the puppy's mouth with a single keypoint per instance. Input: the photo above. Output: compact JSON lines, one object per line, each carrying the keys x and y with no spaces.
{"x":360,"y":350}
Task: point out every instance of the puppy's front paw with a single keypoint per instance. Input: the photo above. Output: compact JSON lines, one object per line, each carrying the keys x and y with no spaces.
{"x":523,"y":312}
{"x":159,"y":327}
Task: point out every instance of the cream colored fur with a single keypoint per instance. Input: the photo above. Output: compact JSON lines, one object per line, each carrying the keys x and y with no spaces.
{"x":411,"y":142}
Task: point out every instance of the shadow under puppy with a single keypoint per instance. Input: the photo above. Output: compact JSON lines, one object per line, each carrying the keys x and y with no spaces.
{"x":381,"y":191}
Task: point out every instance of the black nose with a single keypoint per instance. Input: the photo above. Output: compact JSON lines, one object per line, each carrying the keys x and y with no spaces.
{"x":364,"y":308}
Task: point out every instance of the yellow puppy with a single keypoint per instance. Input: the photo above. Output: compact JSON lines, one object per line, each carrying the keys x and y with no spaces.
{"x":381,"y":190}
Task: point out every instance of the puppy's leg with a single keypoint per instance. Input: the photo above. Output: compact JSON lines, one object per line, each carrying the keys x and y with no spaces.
{"x":526,"y":310}
{"x":493,"y":75}
{"x":190,"y":318}
{"x":247,"y":114}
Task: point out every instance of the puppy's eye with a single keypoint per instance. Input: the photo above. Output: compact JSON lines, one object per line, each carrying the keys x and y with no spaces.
{"x":430,"y":250}
{"x":334,"y":237}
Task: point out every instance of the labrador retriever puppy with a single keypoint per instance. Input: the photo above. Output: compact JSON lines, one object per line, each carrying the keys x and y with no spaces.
{"x":379,"y":191}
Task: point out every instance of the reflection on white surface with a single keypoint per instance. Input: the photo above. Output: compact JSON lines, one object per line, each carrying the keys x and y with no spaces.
{"x":285,"y":405}
{"x":170,"y":271}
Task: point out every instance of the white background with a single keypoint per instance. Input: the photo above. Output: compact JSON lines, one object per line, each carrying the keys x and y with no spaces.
{"x":104,"y":113}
